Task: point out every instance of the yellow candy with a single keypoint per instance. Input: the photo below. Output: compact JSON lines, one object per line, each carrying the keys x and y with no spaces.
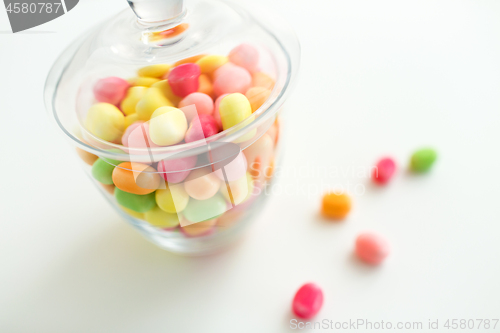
{"x":161,"y":219}
{"x":167,"y":91}
{"x":133,"y":213}
{"x":129,"y":120}
{"x":155,"y":71}
{"x":208,"y":64}
{"x":105,"y":121}
{"x":152,"y":100}
{"x":233,"y":109}
{"x":240,"y":189}
{"x":134,"y":95}
{"x":143,"y":81}
{"x":173,"y":199}
{"x":167,"y":126}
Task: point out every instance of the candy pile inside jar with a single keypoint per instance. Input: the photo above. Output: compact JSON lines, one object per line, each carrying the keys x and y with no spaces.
{"x":172,"y":104}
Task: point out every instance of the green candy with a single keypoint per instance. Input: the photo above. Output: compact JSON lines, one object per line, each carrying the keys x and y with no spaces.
{"x":422,"y":160}
{"x":202,"y":210}
{"x":135,"y":202}
{"x":102,"y":171}
{"x":109,"y":160}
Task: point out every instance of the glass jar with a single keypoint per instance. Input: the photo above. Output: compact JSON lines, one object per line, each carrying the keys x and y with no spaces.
{"x":175,"y":113}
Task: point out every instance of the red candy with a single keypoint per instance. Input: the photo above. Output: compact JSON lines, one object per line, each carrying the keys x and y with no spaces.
{"x":371,"y":248}
{"x":175,"y":171}
{"x":184,"y":79}
{"x":202,"y":126}
{"x":384,"y":171}
{"x":307,"y":301}
{"x":110,"y":90}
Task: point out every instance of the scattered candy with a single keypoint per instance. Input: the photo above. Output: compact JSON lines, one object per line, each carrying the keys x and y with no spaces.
{"x":307,"y":301}
{"x":384,"y":170}
{"x":201,"y":127}
{"x":336,"y":206}
{"x":136,"y":178}
{"x":135,"y":202}
{"x":371,"y":248}
{"x":167,"y":126}
{"x":110,"y":90}
{"x":422,"y":160}
{"x":184,"y":79}
{"x":105,"y":121}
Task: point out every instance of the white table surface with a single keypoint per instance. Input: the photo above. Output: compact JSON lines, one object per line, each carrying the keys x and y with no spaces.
{"x":377,"y":78}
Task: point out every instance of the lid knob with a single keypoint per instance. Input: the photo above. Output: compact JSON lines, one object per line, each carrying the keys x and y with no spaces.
{"x":158,"y":12}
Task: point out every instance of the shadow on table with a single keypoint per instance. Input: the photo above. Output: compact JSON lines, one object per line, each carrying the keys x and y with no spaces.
{"x":118,"y":279}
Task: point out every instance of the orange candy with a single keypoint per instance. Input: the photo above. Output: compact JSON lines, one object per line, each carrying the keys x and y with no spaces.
{"x":136,"y":178}
{"x":86,"y":156}
{"x":109,"y":188}
{"x":336,"y":206}
{"x":200,"y":228}
{"x":190,"y":60}
{"x":206,"y":86}
{"x":257,"y":96}
{"x":263,"y":80}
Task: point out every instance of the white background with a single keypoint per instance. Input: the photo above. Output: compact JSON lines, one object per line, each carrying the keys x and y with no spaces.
{"x":377,"y":78}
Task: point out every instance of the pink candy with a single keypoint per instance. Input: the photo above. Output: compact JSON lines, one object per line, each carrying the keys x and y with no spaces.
{"x":384,"y":171}
{"x":202,"y":126}
{"x":246,"y":56}
{"x":184,"y":79}
{"x":175,"y":171}
{"x":137,"y":136}
{"x":231,"y":79}
{"x":371,"y":248}
{"x":234,"y":170}
{"x":111,"y":90}
{"x":307,"y":301}
{"x":195,"y":104}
